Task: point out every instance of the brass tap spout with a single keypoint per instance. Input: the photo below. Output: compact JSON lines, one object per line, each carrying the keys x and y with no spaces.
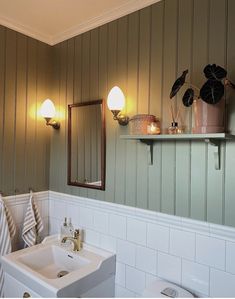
{"x":76,"y":239}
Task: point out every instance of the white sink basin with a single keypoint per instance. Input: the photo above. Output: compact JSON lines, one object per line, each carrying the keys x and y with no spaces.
{"x":51,"y":270}
{"x":51,"y":260}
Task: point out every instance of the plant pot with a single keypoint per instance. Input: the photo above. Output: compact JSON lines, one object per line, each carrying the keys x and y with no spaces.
{"x":208,"y":118}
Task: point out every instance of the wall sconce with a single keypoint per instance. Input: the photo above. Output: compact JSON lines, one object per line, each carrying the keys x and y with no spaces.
{"x":48,"y":112}
{"x":116,"y":102}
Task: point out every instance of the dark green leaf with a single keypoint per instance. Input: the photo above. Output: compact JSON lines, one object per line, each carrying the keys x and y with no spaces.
{"x":214,"y":72}
{"x":188,"y":97}
{"x":178,"y":84}
{"x":212,"y":91}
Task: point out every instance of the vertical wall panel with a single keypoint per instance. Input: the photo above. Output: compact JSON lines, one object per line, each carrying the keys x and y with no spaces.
{"x":143,"y":102}
{"x":111,"y":126}
{"x":132,"y":94}
{"x":9,"y":113}
{"x":20,"y":118}
{"x":155,"y":103}
{"x":120,"y":177}
{"x":94,"y":91}
{"x":217,"y":54}
{"x":199,"y":149}
{"x":170,"y":48}
{"x":183,"y":149}
{"x":102,"y":74}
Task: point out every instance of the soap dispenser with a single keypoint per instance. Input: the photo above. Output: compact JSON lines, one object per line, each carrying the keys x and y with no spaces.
{"x":64,"y":229}
{"x":70,"y":228}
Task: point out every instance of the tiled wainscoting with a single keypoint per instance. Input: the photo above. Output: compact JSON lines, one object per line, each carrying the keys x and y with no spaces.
{"x":197,"y":255}
{"x":18,"y":205}
{"x":149,"y":245}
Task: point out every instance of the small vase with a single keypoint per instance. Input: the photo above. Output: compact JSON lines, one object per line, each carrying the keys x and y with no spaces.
{"x":208,"y":118}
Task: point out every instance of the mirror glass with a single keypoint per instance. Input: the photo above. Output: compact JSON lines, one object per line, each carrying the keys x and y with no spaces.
{"x":86,"y":145}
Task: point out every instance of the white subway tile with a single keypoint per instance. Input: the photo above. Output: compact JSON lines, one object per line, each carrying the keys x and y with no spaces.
{"x":17,"y":213}
{"x":45,"y":230}
{"x":121,"y":292}
{"x":195,"y":277}
{"x":108,"y":243}
{"x":92,"y":237}
{"x":120,"y":277}
{"x":222,"y":284}
{"x":117,"y":226}
{"x":135,"y":280}
{"x":169,"y":267}
{"x":210,"y":251}
{"x":126,"y":252}
{"x":54,"y":226}
{"x":136,"y":231}
{"x":182,"y":244}
{"x":86,"y":218}
{"x":73,"y":212}
{"x":146,"y":259}
{"x":45,"y":208}
{"x":230,"y":257}
{"x":158,"y":237}
{"x":58,"y":210}
{"x":101,"y":221}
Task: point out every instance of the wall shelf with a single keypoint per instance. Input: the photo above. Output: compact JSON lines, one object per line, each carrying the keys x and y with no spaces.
{"x":212,"y":139}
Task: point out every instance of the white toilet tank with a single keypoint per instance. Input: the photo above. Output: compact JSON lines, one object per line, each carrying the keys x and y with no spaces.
{"x":165,"y":289}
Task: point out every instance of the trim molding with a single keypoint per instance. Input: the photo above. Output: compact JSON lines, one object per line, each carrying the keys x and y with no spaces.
{"x":187,"y":224}
{"x":23,"y":198}
{"x":106,"y":17}
{"x":11,"y":24}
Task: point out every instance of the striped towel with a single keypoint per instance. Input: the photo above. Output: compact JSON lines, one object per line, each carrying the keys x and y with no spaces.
{"x":32,"y":224}
{"x":7,"y":232}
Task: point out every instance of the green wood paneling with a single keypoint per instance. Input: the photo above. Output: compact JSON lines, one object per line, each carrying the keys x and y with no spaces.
{"x":143,"y":53}
{"x":24,"y":139}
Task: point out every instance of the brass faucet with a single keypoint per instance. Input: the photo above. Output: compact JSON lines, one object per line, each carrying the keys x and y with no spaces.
{"x":76,"y":239}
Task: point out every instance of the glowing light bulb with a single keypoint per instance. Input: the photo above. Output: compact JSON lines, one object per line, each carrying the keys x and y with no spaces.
{"x":116,"y":99}
{"x":48,"y":109}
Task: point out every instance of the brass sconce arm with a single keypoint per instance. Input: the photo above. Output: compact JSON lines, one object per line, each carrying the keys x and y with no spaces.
{"x":53,"y":123}
{"x":122,"y":119}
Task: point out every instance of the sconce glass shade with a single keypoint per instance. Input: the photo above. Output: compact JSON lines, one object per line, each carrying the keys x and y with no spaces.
{"x":48,"y":109}
{"x":116,"y":99}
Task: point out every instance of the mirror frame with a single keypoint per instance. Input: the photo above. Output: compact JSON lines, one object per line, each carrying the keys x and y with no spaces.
{"x":103,"y":145}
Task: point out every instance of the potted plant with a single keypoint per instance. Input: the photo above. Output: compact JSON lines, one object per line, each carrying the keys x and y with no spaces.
{"x":209,"y":102}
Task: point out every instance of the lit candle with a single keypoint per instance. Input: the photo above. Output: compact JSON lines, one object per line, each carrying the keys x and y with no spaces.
{"x":153,"y":129}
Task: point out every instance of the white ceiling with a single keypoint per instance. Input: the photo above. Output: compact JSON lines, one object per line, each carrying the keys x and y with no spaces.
{"x":53,"y":21}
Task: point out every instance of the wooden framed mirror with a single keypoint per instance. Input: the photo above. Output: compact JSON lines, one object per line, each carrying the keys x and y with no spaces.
{"x":86,"y":144}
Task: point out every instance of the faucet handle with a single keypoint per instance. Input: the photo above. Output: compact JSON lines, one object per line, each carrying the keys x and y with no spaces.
{"x":76,"y":233}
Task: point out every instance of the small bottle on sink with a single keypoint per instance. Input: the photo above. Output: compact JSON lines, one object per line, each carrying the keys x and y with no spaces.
{"x":64,"y":229}
{"x":70,"y":228}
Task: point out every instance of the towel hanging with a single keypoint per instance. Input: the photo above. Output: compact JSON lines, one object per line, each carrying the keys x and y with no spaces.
{"x":7,"y":232}
{"x":32,"y":223}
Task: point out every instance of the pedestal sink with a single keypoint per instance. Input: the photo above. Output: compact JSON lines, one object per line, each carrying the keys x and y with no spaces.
{"x":50,"y":270}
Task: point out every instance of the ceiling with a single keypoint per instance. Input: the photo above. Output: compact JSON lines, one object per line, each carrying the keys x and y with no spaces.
{"x":53,"y":21}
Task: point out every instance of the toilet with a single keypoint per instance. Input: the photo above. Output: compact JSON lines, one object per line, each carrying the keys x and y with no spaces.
{"x":165,"y":289}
